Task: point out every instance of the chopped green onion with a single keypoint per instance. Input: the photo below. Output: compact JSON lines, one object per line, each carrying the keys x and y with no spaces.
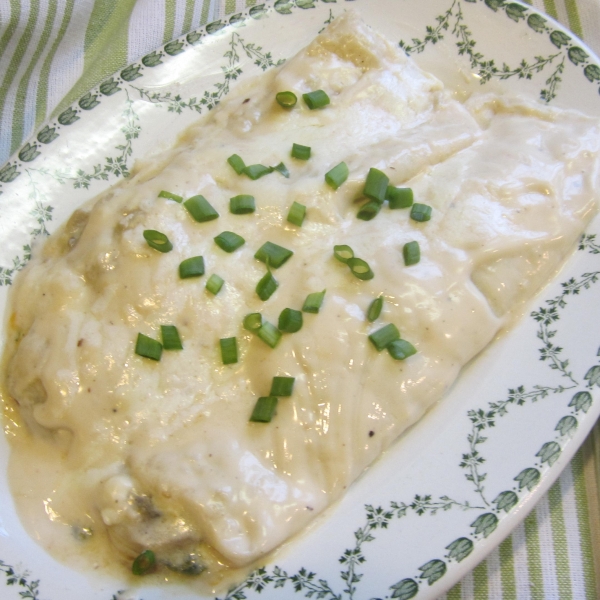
{"x":313,"y":302}
{"x":257,"y":171}
{"x":157,"y":240}
{"x":376,"y":185}
{"x":286,"y":99}
{"x":242,"y":204}
{"x":229,"y":241}
{"x":401,"y":349}
{"x":214,"y":284}
{"x":273,"y":255}
{"x":411,"y":253}
{"x":316,"y":99}
{"x":229,"y":354}
{"x":343,"y":253}
{"x":266,"y":287}
{"x":237,"y":163}
{"x":399,"y":197}
{"x":253,"y":322}
{"x":375,"y":309}
{"x":383,"y":337}
{"x":147,"y":347}
{"x":300,"y":152}
{"x":200,"y":209}
{"x":281,"y":168}
{"x":269,"y":334}
{"x":145,"y":563}
{"x":282,"y":386}
{"x":170,"y":337}
{"x":296,"y":214}
{"x":191,"y":267}
{"x":369,"y":210}
{"x":170,"y":196}
{"x":420,"y":212}
{"x":264,"y":409}
{"x":360,"y":269}
{"x":290,"y":320}
{"x":336,"y":176}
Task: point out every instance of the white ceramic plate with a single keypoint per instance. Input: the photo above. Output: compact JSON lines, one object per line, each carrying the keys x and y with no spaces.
{"x":458,"y":482}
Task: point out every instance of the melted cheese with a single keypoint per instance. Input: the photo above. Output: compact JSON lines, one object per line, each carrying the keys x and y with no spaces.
{"x":161,"y":455}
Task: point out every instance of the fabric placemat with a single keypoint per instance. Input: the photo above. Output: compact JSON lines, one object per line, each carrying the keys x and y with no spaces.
{"x":54,"y":51}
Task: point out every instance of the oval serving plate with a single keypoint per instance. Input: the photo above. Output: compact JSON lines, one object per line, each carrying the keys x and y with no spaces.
{"x":455,"y":485}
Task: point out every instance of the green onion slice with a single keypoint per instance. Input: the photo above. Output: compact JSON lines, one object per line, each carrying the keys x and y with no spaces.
{"x":273,"y":255}
{"x":313,"y":302}
{"x":411,"y":253}
{"x":401,"y":349}
{"x":242,"y":204}
{"x":336,"y":176}
{"x":214,"y":284}
{"x":264,"y":409}
{"x":343,"y":253}
{"x":282,"y":386}
{"x":269,"y":334}
{"x":281,"y":168}
{"x":229,"y":353}
{"x":376,"y":185}
{"x":191,"y":267}
{"x":420,"y":212}
{"x":147,"y":347}
{"x":257,"y":171}
{"x":290,"y":320}
{"x":170,"y":337}
{"x":253,"y":322}
{"x":170,"y":196}
{"x":200,"y":209}
{"x":286,"y":99}
{"x":375,"y":309}
{"x":316,"y":99}
{"x":229,"y":241}
{"x":300,"y":152}
{"x":145,"y":563}
{"x":237,"y":163}
{"x":399,"y":197}
{"x":266,"y":287}
{"x":369,"y":210}
{"x":383,"y":337}
{"x":157,"y":240}
{"x":296,"y":214}
{"x":360,"y":269}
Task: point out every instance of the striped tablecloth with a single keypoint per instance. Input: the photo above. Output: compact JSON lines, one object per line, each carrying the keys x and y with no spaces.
{"x":53,"y":51}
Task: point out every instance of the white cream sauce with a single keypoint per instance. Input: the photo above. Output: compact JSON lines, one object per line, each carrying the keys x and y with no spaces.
{"x":161,"y":455}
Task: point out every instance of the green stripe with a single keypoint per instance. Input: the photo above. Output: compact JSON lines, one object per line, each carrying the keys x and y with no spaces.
{"x":105,"y":46}
{"x":507,"y":570}
{"x":480,"y":579}
{"x":15,"y":15}
{"x":188,"y":16}
{"x":205,"y":9}
{"x":250,"y":3}
{"x":229,"y":6}
{"x":42,"y":90}
{"x":550,"y":8}
{"x":573,"y":14}
{"x":454,"y":593}
{"x":170,"y":7}
{"x":21,"y":97}
{"x":583,"y":519}
{"x":534,"y":560}
{"x":559,"y":539}
{"x":13,"y":66}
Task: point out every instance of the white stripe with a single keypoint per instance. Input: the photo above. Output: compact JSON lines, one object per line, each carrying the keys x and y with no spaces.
{"x":561,"y":11}
{"x":467,"y":587}
{"x":197,"y":16}
{"x":494,"y":574}
{"x":519,"y":548}
{"x":546,"y":542}
{"x":213,"y":11}
{"x":589,"y":15}
{"x":572,"y":526}
{"x":146,"y":28}
{"x":4,"y":14}
{"x":179,"y":18}
{"x":68,"y":62}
